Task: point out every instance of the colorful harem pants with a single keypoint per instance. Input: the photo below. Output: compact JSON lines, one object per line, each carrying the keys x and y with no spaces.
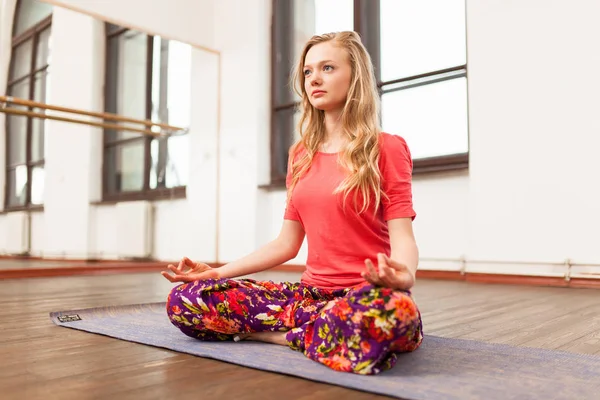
{"x":359,"y":332}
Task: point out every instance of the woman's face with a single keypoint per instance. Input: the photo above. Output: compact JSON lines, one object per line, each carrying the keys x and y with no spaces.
{"x":327,"y":75}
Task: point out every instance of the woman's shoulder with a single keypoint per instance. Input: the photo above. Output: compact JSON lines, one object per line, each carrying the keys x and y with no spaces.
{"x":391,"y":144}
{"x":296,"y":150}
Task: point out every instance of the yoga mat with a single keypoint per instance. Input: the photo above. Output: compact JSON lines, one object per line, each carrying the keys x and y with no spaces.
{"x":440,"y":369}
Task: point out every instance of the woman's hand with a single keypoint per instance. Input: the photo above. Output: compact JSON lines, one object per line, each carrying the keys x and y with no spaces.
{"x":196,"y":271}
{"x":392,"y":274}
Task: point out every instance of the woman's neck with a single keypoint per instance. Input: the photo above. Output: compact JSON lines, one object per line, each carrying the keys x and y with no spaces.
{"x":334,"y":138}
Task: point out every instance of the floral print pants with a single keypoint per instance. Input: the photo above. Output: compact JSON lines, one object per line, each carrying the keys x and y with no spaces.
{"x":357,"y":330}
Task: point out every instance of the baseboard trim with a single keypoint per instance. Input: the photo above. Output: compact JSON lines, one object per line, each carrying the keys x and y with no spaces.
{"x":109,"y":267}
{"x":101,"y":269}
{"x":506,"y":279}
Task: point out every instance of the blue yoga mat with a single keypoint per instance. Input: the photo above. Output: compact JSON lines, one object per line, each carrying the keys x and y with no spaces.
{"x":441,"y":368}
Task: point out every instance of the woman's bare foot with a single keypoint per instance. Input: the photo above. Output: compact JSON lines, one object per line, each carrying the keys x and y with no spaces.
{"x":266,"y":337}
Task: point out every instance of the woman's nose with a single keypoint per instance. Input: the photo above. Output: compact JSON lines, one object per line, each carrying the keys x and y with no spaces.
{"x":315,"y":79}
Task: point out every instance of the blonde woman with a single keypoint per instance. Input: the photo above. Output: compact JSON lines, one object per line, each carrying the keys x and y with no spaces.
{"x":349,"y":193}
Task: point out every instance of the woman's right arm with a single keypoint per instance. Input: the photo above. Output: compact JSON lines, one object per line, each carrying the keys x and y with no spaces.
{"x":280,"y":250}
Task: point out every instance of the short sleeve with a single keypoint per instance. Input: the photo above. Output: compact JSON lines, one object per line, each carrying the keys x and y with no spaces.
{"x":290,"y":211}
{"x":395,"y":163}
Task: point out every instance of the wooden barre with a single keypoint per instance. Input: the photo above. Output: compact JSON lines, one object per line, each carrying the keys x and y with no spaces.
{"x":78,"y":121}
{"x":106,"y":116}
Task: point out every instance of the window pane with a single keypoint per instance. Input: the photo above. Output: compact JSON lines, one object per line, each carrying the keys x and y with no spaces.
{"x":21,"y":60}
{"x":37,"y":185}
{"x":333,"y":16}
{"x":30,"y":12}
{"x":171,"y":82}
{"x":126,"y":78}
{"x":42,"y":56}
{"x":125,"y":167}
{"x":17,"y":139}
{"x":17,"y":126}
{"x":37,"y":139}
{"x":20,"y":90}
{"x":283,"y":49}
{"x":40,"y":86}
{"x":421,"y":36}
{"x":38,"y":125}
{"x":321,"y":16}
{"x":312,"y":18}
{"x":169,"y":166}
{"x":17,"y":186}
{"x":283,"y":138}
{"x":432,"y":118}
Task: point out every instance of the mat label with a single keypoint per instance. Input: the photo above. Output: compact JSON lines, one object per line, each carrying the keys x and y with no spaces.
{"x":69,"y":318}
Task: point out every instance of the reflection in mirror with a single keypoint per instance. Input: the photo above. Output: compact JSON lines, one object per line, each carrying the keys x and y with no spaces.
{"x":148,"y":77}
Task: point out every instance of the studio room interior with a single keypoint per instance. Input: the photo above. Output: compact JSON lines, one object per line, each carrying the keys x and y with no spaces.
{"x":259,"y":199}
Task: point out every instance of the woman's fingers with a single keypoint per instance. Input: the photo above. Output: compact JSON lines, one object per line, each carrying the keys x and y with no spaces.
{"x":381,"y":261}
{"x":371,"y":274}
{"x":384,"y":276}
{"x":180,"y":269}
{"x":188,"y":263}
{"x":185,"y":266}
{"x":178,"y":277}
{"x":168,"y":276}
{"x":367,"y":277}
{"x":174,"y":269}
{"x":395,"y":264}
{"x":371,"y":269}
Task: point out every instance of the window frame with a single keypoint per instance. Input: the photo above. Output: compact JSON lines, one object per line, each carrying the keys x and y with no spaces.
{"x":367,"y":25}
{"x":146,"y":193}
{"x":33,"y":33}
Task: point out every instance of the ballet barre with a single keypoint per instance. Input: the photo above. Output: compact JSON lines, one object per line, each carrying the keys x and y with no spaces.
{"x":147,"y":128}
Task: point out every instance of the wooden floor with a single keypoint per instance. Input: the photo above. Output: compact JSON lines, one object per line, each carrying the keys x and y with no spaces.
{"x":42,"y":361}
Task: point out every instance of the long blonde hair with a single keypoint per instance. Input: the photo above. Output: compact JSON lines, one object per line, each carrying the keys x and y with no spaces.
{"x":359,"y":119}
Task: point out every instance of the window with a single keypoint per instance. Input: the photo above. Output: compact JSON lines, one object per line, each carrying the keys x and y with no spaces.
{"x":293,"y":23}
{"x":423,"y":81}
{"x":419,"y":53}
{"x":28,"y":80}
{"x":147,"y":78}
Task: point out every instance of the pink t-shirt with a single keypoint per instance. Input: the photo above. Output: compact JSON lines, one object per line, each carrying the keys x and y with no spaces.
{"x":340,"y":239}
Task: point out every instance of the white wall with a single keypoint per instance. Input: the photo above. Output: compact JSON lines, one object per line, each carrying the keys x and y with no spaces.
{"x":76,"y":81}
{"x":533,"y":96}
{"x":245,"y":118}
{"x":531,"y":85}
{"x":189,"y":21}
{"x":442,"y":205}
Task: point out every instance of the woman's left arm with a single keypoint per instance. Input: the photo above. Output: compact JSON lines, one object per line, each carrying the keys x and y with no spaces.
{"x":403,"y":243}
{"x":399,"y":270}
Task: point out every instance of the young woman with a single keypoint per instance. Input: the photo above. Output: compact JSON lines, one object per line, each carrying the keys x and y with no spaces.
{"x":349,"y":193}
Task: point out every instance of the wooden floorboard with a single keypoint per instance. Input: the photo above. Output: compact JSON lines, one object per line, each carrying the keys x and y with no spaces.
{"x":43,"y":361}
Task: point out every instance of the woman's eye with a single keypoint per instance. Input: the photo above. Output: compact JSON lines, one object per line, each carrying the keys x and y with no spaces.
{"x":328,"y":68}
{"x":306,"y":72}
